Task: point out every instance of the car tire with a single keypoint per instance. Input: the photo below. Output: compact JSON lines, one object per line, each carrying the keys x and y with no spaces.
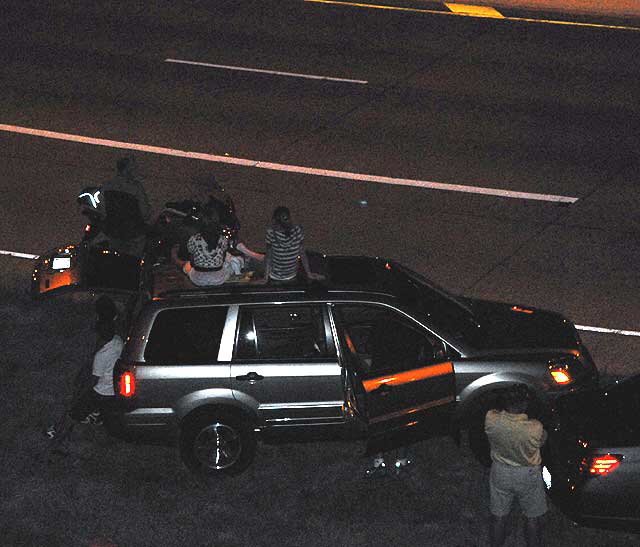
{"x":217,"y":443}
{"x":478,"y":440}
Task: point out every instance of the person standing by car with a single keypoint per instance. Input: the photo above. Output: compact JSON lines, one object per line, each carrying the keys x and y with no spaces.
{"x":285,"y":244}
{"x":126,"y":210}
{"x":95,"y":401}
{"x":515,"y":442}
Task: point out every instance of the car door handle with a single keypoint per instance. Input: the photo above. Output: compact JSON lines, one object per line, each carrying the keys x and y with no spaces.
{"x":383,"y":390}
{"x":251,"y":377}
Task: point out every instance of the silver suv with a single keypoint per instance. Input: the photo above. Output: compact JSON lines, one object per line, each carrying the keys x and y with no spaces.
{"x":374,"y":351}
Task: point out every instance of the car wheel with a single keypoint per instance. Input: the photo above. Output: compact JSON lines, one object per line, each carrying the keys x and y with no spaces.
{"x":479,"y":444}
{"x":478,"y":441}
{"x":217,"y":443}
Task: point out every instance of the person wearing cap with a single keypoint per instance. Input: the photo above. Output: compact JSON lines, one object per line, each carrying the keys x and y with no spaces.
{"x":516,"y":474}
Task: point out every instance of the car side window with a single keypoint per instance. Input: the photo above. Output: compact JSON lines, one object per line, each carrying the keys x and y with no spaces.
{"x":381,"y":339}
{"x":186,"y":336}
{"x":281,"y":332}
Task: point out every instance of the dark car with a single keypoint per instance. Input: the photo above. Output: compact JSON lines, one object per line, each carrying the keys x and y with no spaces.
{"x":374,"y":350}
{"x":592,"y":460}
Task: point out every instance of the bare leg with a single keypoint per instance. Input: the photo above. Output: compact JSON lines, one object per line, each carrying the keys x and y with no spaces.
{"x":533,"y":532}
{"x":497,"y":530}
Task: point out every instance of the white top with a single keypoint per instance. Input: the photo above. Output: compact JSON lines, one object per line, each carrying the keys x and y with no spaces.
{"x":103,"y":363}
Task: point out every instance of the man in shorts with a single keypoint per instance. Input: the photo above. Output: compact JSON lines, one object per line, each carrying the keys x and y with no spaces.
{"x":515,"y":442}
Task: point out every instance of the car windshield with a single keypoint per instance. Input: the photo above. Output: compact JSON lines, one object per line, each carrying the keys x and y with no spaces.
{"x":443,"y":310}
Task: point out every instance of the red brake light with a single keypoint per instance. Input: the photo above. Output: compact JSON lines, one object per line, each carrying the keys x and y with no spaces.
{"x":604,"y":464}
{"x":127,"y":384}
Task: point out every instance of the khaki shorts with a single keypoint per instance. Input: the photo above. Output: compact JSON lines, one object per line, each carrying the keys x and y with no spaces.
{"x":525,"y":484}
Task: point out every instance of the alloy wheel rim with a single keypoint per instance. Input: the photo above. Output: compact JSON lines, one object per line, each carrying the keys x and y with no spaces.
{"x":218,"y":446}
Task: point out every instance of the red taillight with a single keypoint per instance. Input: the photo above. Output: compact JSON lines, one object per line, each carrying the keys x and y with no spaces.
{"x":604,"y":464}
{"x":127,"y":384}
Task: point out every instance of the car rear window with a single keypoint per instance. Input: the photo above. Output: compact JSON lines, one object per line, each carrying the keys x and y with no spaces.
{"x":186,"y":336}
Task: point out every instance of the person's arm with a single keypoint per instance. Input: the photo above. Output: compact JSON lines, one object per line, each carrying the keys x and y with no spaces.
{"x":267,"y":265}
{"x":543,"y":436}
{"x":249,"y":253}
{"x":98,"y":364}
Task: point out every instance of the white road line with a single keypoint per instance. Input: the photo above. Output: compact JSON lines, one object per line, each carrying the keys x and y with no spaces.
{"x":19,"y":255}
{"x":346,"y":175}
{"x":264,"y":71}
{"x":609,"y":331}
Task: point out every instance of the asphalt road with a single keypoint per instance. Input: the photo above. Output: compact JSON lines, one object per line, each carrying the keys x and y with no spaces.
{"x":540,"y":109}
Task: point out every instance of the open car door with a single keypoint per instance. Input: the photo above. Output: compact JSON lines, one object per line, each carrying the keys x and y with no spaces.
{"x":398,"y":375}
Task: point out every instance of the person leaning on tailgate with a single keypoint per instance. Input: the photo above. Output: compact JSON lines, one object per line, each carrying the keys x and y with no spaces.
{"x":515,"y":442}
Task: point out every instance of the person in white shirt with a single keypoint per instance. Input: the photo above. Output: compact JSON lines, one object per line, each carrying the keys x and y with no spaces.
{"x":96,"y":400}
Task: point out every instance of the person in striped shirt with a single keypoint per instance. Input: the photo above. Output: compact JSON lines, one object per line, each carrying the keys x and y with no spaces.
{"x":285,"y":244}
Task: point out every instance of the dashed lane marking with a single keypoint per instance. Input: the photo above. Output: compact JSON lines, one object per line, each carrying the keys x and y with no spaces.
{"x":19,"y":255}
{"x":264,"y":71}
{"x":314,"y":171}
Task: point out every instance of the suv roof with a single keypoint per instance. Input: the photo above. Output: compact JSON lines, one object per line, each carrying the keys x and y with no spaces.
{"x":342,"y":274}
{"x":345,"y":277}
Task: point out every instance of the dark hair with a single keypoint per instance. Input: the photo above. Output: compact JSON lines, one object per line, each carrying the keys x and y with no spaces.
{"x":106,"y":329}
{"x":123,"y":163}
{"x":282,"y":218}
{"x":106,"y":308}
{"x":211,"y":231}
{"x":517,"y":396}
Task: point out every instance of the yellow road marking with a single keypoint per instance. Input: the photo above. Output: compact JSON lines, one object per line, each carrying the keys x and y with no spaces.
{"x":476,"y":11}
{"x":451,"y":13}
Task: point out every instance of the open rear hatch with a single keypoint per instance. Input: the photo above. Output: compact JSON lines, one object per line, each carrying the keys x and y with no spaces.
{"x":77,"y":267}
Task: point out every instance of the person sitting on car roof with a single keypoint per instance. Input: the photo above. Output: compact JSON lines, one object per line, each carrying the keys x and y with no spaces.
{"x":285,"y":246}
{"x":209,"y":263}
{"x":126,"y":210}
